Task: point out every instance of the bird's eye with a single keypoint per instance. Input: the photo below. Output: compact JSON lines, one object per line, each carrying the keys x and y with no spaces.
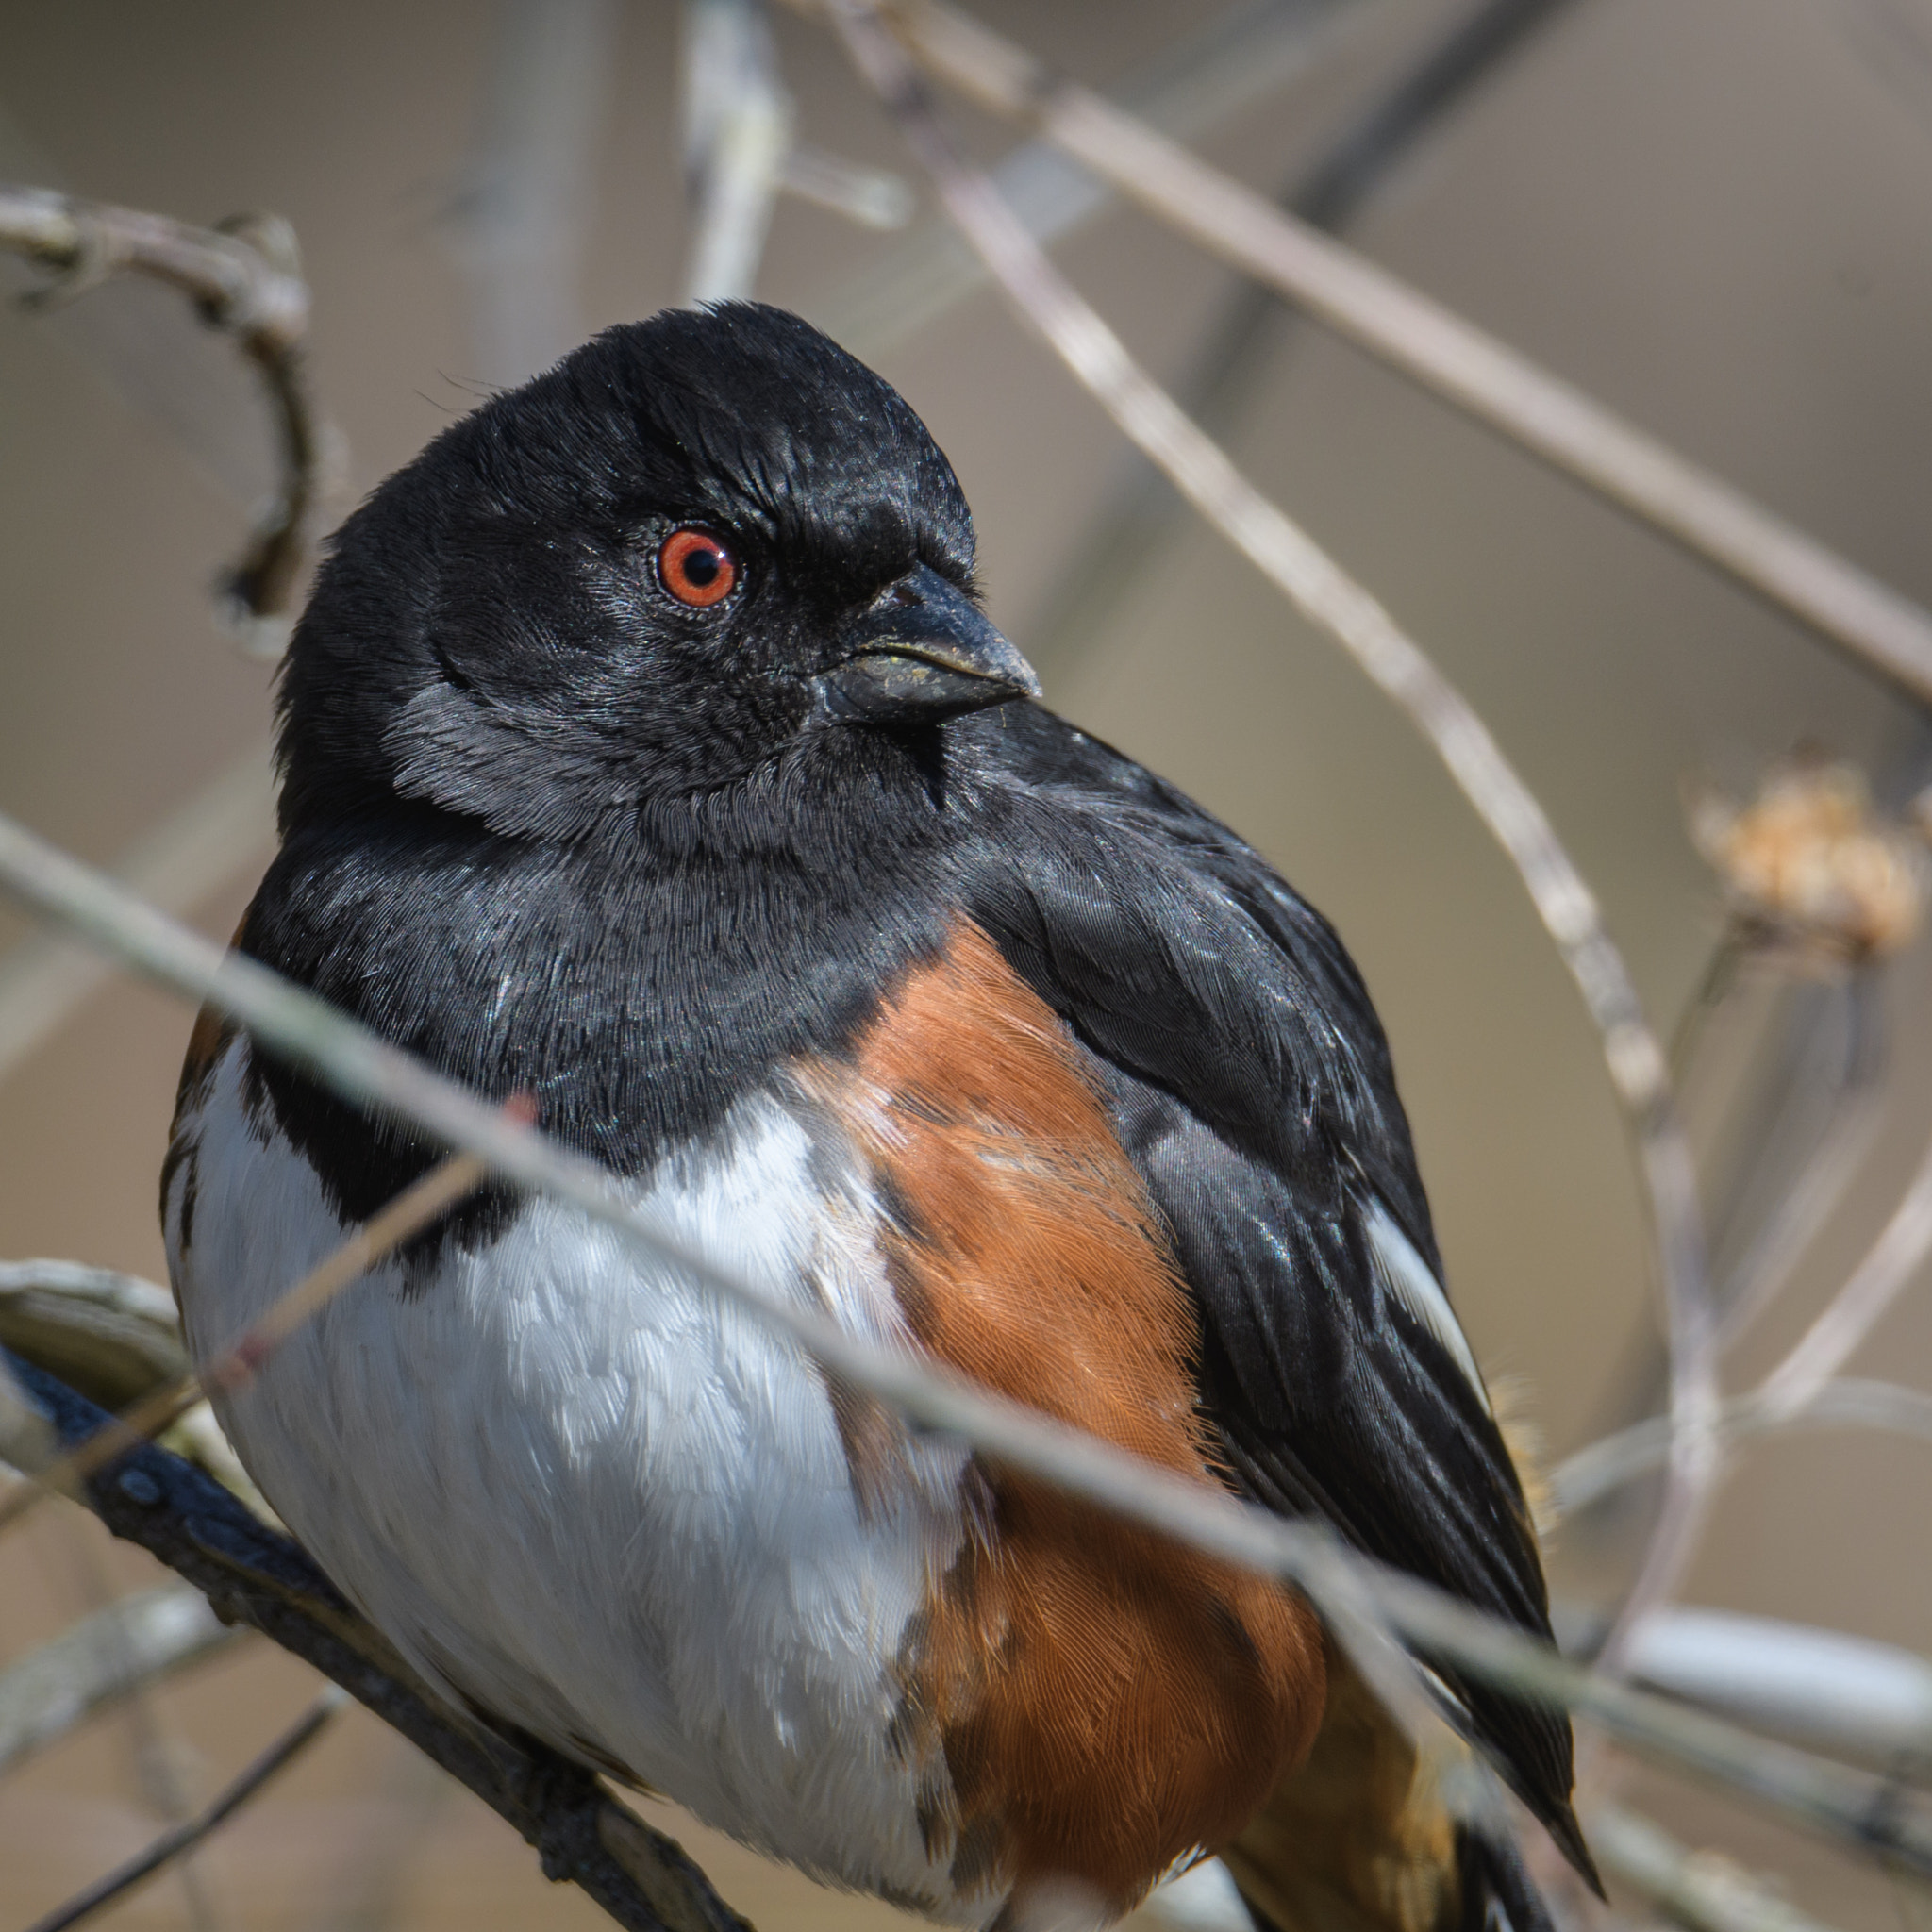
{"x":696,"y":568}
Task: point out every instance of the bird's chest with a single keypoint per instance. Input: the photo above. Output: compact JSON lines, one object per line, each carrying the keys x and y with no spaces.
{"x":577,"y":1488}
{"x":614,"y":1507}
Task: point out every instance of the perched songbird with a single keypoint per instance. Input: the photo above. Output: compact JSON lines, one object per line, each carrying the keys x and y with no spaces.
{"x":644,"y":749}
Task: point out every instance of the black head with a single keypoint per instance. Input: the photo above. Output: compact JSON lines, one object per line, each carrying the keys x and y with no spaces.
{"x":702,"y":546}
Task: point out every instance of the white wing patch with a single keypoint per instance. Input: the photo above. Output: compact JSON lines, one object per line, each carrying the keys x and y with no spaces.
{"x":1412,"y":1282}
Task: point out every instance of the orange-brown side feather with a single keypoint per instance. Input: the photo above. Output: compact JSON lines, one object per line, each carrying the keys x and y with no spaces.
{"x":1105,"y":1702}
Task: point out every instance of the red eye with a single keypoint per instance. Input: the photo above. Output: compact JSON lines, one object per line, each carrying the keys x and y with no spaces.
{"x":696,"y":568}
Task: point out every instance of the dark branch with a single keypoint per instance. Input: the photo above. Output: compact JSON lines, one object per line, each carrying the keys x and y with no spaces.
{"x":157,"y":1856}
{"x":252,"y":1575}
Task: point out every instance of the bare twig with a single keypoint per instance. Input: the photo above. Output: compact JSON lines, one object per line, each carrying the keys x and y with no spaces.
{"x":243,"y":280}
{"x":1125,"y":545}
{"x":374,"y":1076}
{"x":413,"y":1210}
{"x":190,"y":1832}
{"x":737,"y":134}
{"x":1824,"y":1689}
{"x":130,"y":1645}
{"x":1239,"y":57}
{"x":1702,"y":1890}
{"x":1875,"y":1284}
{"x":255,"y":1575}
{"x":1319,"y":588}
{"x":1804,"y":1203}
{"x":873,"y":197}
{"x":1597,"y":1469}
{"x":152,"y":1744}
{"x":1601,"y":1467}
{"x":190,"y":854}
{"x":113,"y":1336}
{"x":1881,"y":629}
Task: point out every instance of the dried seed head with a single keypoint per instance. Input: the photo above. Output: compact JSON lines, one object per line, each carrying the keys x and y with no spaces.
{"x":1807,"y":865}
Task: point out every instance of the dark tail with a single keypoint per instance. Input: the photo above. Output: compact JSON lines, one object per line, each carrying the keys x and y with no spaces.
{"x":1497,"y":1893}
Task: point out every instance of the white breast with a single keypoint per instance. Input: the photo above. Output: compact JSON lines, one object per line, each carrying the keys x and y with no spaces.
{"x":569,"y":1483}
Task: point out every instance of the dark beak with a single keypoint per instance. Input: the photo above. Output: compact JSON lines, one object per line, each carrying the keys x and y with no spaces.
{"x":921,"y":652}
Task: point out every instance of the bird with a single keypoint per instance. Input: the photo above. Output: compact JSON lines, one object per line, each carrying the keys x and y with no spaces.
{"x":645,"y":751}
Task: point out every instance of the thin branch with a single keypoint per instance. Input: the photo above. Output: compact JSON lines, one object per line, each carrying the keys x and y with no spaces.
{"x":128,"y":1647}
{"x":419,"y":1205}
{"x":1125,"y":544}
{"x":1702,"y":1890}
{"x":245,"y":281}
{"x":1889,"y":1266}
{"x":1318,"y":587}
{"x":737,"y":134}
{"x":1605,"y":1466}
{"x":255,"y":1575}
{"x":113,"y":1336}
{"x":871,"y":197}
{"x":1805,"y":1204}
{"x":193,"y":852}
{"x":153,"y":1743}
{"x":374,"y":1078}
{"x":186,"y":1836}
{"x":1881,"y":629}
{"x":1240,"y":57}
{"x":1824,"y":1689}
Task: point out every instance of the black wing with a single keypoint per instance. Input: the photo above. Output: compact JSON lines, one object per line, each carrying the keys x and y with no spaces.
{"x":1253,"y":1089}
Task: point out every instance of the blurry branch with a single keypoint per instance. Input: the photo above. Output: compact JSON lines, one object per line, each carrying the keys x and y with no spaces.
{"x":1474,"y":46}
{"x":153,"y":1746}
{"x":1846,"y":1695}
{"x":186,"y":1836}
{"x":191,"y":855}
{"x":1815,"y":876}
{"x":113,"y":1336}
{"x":1122,"y":547}
{"x":518,"y":222}
{"x":873,"y":197}
{"x":1702,"y":1890}
{"x":1845,"y":1135}
{"x":128,"y":1646}
{"x":243,"y":280}
{"x":1875,"y":1284}
{"x":1205,"y":78}
{"x":1601,"y":1467}
{"x":409,"y":1213}
{"x":1423,"y":339}
{"x":737,"y":133}
{"x":374,"y":1078}
{"x":1329,"y":599}
{"x":255,"y":1576}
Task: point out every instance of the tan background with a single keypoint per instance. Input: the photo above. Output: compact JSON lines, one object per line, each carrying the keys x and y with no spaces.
{"x":1712,"y":213}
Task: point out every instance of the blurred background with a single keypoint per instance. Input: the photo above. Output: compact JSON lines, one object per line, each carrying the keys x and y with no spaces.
{"x":1712,"y":215}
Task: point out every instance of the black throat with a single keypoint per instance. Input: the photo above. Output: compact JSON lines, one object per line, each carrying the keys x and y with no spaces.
{"x":636,"y":982}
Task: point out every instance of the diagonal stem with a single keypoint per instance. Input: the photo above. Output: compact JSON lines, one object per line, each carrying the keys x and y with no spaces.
{"x":190,"y":1832}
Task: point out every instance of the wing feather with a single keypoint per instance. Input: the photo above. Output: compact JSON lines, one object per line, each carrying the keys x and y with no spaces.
{"x":1252,"y":1087}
